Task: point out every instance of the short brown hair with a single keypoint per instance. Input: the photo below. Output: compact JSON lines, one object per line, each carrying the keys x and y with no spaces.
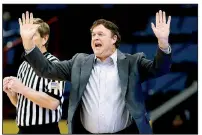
{"x":43,"y":29}
{"x":109,"y":25}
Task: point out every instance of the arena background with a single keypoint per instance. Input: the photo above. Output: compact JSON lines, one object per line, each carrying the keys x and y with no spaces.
{"x":171,"y":100}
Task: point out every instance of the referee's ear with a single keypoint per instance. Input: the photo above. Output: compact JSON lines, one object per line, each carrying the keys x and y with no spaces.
{"x":45,"y":39}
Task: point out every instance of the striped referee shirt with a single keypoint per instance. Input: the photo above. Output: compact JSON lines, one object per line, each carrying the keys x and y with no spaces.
{"x":29,"y":113}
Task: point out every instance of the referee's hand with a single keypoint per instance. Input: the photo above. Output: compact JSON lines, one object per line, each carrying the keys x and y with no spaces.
{"x":6,"y":81}
{"x":16,"y":85}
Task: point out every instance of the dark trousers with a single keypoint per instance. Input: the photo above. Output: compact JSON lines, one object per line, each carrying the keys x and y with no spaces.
{"x":40,"y":129}
{"x":132,"y":129}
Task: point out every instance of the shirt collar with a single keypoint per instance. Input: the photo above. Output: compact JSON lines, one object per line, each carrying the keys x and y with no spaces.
{"x":112,"y":57}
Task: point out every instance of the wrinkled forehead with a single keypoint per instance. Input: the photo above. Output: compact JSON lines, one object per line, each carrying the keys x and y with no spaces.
{"x":100,"y":28}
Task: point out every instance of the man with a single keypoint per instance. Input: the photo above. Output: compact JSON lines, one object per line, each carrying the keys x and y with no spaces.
{"x":38,"y":100}
{"x":106,"y":94}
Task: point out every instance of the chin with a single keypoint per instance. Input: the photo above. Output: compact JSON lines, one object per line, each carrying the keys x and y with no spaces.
{"x":97,"y":54}
{"x":96,"y":51}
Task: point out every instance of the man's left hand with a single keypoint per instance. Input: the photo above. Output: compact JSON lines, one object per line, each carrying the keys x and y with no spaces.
{"x":162,"y":29}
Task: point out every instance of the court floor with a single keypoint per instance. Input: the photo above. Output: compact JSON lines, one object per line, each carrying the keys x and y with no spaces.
{"x":9,"y":127}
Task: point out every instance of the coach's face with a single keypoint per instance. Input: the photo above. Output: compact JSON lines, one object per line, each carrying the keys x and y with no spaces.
{"x":102,"y":42}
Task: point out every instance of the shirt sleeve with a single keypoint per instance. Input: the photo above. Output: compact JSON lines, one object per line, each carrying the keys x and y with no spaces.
{"x":167,"y":51}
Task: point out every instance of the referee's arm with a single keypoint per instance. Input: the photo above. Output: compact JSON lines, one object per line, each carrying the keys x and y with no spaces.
{"x":40,"y":98}
{"x":13,"y":98}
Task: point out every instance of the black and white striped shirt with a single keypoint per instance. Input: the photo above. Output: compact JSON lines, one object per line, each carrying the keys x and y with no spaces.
{"x":29,"y":113}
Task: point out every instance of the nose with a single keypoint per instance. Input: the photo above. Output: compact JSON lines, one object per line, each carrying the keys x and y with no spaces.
{"x":95,"y":37}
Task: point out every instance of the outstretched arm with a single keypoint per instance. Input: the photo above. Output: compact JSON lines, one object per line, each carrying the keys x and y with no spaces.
{"x":60,"y":70}
{"x":151,"y":69}
{"x":42,"y":66}
{"x":162,"y":61}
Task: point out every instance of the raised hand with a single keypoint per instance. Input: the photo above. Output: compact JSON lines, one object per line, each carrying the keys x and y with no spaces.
{"x":27,"y":29}
{"x":162,"y":29}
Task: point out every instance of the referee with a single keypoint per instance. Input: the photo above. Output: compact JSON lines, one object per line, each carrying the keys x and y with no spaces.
{"x":38,"y":100}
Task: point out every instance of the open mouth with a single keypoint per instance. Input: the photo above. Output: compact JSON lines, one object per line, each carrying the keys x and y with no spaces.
{"x":98,"y":45}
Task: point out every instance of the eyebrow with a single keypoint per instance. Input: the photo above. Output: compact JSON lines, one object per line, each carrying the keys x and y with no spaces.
{"x":97,"y":32}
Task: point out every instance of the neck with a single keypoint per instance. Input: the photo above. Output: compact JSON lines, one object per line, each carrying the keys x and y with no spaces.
{"x":102,"y":59}
{"x":43,"y":50}
{"x":105,"y":57}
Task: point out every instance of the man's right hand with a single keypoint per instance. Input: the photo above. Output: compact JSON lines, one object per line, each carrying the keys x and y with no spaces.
{"x":27,"y":30}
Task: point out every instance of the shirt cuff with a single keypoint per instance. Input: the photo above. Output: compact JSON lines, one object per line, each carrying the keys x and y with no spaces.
{"x":28,"y":51}
{"x":167,"y":50}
